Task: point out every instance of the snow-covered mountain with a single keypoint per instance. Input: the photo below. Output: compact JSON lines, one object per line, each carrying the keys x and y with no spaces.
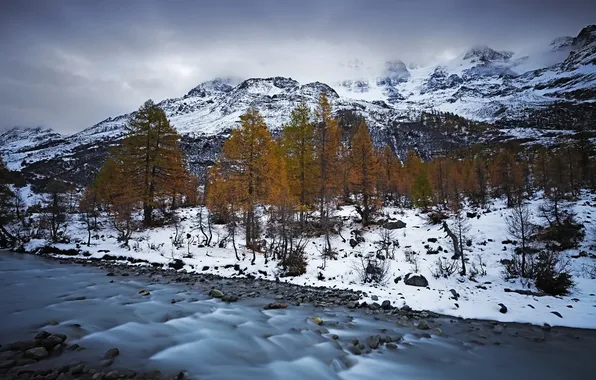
{"x":486,"y":84}
{"x":480,"y":84}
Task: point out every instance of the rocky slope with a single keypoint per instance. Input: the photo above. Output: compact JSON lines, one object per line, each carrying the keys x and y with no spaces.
{"x":480,"y":84}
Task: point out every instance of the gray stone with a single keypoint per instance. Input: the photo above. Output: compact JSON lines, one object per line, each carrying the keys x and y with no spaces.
{"x":395,"y":225}
{"x":391,"y":346}
{"x":355,"y":350}
{"x":503,"y":309}
{"x":215,"y":293}
{"x":386,"y":305}
{"x":111,"y":353}
{"x":42,"y":335}
{"x":352,"y":305}
{"x":373,"y":341}
{"x":24,"y":362}
{"x":374,"y":306}
{"x":53,"y":375}
{"x":437,"y":331}
{"x":77,"y":369}
{"x":22,"y":345}
{"x":498,"y":329}
{"x":98,"y":376}
{"x":51,"y":341}
{"x":557,"y":314}
{"x":144,"y":292}
{"x":415,"y":280}
{"x":7,"y":364}
{"x":36,"y":353}
{"x":73,"y":347}
{"x":423,"y":325}
{"x":112,"y":375}
{"x":374,"y":298}
{"x":454,"y":293}
{"x":106,"y":362}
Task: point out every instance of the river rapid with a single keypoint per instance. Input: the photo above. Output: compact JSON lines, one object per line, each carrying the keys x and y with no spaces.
{"x":177,"y":328}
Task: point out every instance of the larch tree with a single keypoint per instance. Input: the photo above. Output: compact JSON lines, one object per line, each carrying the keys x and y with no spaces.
{"x":520,"y":226}
{"x":421,"y":190}
{"x":113,"y":186}
{"x":89,"y":210}
{"x":151,"y":157}
{"x":245,"y":163}
{"x":55,"y":210}
{"x":363,"y":171}
{"x":506,"y":177}
{"x":387,"y":177}
{"x":297,"y":144}
{"x":327,"y":144}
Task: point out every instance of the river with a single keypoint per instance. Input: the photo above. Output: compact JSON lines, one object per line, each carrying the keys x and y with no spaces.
{"x":175,"y":328}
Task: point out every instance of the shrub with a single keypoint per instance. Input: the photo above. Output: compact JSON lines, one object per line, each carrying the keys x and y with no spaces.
{"x":551,"y":274}
{"x":296,"y":264}
{"x":436,"y":217}
{"x":371,"y":270}
{"x":445,"y":268}
{"x":564,"y":236}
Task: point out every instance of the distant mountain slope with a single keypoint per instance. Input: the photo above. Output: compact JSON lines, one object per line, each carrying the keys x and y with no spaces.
{"x":480,"y":84}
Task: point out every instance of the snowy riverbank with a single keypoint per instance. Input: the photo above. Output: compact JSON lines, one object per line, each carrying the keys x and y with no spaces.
{"x":469,"y":299}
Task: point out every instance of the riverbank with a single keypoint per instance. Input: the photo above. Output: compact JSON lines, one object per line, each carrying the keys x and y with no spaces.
{"x":416,"y":247}
{"x":162,"y":319}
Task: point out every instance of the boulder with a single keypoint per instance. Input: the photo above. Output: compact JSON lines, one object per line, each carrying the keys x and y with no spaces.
{"x":386,"y":305}
{"x":317,"y":320}
{"x":415,"y":280}
{"x":42,"y":335}
{"x":395,"y":225}
{"x":274,"y":306}
{"x":111,"y":353}
{"x":423,"y":325}
{"x":22,"y":345}
{"x":177,"y":264}
{"x":503,"y":309}
{"x":373,"y":341}
{"x":7,"y":364}
{"x":36,"y":353}
{"x":215,"y":293}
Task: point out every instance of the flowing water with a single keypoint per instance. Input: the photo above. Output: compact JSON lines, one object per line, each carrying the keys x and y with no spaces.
{"x":214,"y":340}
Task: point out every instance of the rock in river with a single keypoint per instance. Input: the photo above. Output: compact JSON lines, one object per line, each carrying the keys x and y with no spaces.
{"x":36,"y":353}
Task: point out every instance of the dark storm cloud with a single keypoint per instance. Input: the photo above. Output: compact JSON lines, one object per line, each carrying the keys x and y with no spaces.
{"x":69,"y":64}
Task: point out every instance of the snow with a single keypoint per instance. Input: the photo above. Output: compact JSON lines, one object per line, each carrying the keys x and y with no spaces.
{"x":487,"y":233}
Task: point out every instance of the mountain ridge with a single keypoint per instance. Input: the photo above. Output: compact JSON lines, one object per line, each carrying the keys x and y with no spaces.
{"x":480,"y":84}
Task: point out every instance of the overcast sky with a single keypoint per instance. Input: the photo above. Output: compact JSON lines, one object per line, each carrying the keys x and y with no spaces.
{"x":70,"y":64}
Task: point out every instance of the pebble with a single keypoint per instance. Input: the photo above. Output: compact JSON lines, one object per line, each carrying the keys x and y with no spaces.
{"x":111,"y":353}
{"x":423,"y":325}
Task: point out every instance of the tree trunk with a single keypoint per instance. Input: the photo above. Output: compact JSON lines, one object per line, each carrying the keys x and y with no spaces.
{"x":457,"y":253}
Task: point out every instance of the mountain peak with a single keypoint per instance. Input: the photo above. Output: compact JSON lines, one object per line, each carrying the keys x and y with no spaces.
{"x":217,"y":85}
{"x":268,"y":86}
{"x":395,"y":72}
{"x":484,"y":54}
{"x":561,"y":43}
{"x":585,"y":37}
